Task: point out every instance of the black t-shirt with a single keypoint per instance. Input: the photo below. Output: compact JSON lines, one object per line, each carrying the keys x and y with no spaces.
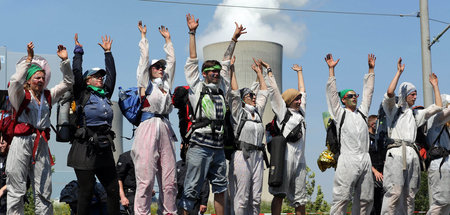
{"x":125,"y":170}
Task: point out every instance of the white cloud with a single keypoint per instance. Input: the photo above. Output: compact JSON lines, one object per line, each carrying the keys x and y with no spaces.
{"x":267,"y":25}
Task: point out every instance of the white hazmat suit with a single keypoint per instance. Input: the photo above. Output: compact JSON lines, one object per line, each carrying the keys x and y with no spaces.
{"x":353,"y":174}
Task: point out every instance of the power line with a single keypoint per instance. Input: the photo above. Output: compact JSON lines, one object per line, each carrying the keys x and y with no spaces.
{"x":293,"y":10}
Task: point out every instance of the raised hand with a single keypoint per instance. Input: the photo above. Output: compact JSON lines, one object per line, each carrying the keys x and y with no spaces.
{"x":371,"y":60}
{"x":233,"y":59}
{"x":331,"y":63}
{"x":238,"y":31}
{"x":142,"y":29}
{"x":106,"y":43}
{"x":62,"y":52}
{"x":266,"y":65}
{"x":30,"y":51}
{"x":76,"y":40}
{"x":256,"y":66}
{"x":400,"y":66}
{"x":164,"y":32}
{"x":433,"y":79}
{"x":191,"y":22}
{"x":297,"y":68}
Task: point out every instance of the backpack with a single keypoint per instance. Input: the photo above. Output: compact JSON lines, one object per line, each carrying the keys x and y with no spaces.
{"x":130,"y":103}
{"x":180,"y":100}
{"x":272,"y":129}
{"x":333,"y":138}
{"x":9,"y":116}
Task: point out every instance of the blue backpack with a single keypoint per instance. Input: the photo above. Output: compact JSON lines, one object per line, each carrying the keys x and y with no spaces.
{"x":130,"y":103}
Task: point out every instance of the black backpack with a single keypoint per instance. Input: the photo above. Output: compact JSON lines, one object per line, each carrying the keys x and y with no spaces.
{"x":333,"y":139}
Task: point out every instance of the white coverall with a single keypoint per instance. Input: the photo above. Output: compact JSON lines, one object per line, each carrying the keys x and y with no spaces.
{"x":153,"y":150}
{"x":20,"y":166}
{"x":401,"y":185}
{"x":353,"y":174}
{"x":440,"y":182}
{"x":294,"y":173}
{"x":246,"y":175}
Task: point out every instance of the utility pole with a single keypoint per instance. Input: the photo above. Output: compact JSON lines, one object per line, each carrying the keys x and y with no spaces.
{"x":426,"y":53}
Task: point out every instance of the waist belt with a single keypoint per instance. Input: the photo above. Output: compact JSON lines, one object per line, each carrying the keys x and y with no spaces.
{"x":25,"y":129}
{"x":397,"y":143}
{"x":147,"y":115}
{"x":247,"y":147}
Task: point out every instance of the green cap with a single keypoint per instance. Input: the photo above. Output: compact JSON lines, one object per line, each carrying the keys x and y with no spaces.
{"x":343,"y":92}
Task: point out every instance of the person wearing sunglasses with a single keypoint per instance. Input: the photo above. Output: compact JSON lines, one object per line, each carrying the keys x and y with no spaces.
{"x":246,"y":164}
{"x":29,"y":153}
{"x":91,"y":151}
{"x":353,"y":176}
{"x":290,"y":105}
{"x":153,"y":150}
{"x":402,"y":165}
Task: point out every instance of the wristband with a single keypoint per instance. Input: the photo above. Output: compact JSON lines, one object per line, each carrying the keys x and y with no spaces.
{"x":269,"y":69}
{"x":191,"y":32}
{"x":235,"y":40}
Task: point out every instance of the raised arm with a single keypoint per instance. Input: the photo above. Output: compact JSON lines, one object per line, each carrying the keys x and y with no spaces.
{"x":15,"y":89}
{"x":170,"y":55}
{"x":68,"y":80}
{"x":333,"y":100}
{"x":394,"y":82}
{"x":237,"y":33}
{"x":437,"y":93}
{"x":191,"y":67}
{"x":261,"y":95}
{"x":192,"y":25}
{"x":233,"y":80}
{"x":110,"y":81}
{"x":369,"y":82}
{"x":301,"y":83}
{"x":77,"y":68}
{"x":331,"y":64}
{"x":142,"y":73}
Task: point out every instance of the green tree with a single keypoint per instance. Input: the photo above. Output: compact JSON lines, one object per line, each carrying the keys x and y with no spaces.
{"x":421,"y":201}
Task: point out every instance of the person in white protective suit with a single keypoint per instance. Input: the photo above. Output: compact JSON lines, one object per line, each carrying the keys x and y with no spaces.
{"x":29,"y":155}
{"x":353,"y":176}
{"x":153,"y":150}
{"x":402,"y":168}
{"x":438,"y":137}
{"x":246,"y":164}
{"x":293,"y":186}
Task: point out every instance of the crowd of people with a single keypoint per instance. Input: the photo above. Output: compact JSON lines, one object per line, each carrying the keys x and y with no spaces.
{"x":377,"y":181}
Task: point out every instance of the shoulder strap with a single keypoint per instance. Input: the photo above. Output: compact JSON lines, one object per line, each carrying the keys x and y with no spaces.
{"x":242,"y":122}
{"x":439,"y":136}
{"x":287,"y":116}
{"x":340,"y":126}
{"x":48,"y":96}
{"x":363,"y":116}
{"x":26,"y":100}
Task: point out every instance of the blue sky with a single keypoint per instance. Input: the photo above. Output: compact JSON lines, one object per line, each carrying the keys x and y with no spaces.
{"x":307,"y":38}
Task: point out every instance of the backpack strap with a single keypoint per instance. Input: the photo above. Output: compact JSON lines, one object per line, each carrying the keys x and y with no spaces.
{"x":340,"y":127}
{"x":242,"y":122}
{"x":439,"y":136}
{"x":283,"y":123}
{"x":204,"y":121}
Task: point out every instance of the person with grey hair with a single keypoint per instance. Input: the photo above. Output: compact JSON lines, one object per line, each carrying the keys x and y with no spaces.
{"x":438,"y":137}
{"x":246,"y":164}
{"x":402,"y":166}
{"x":153,"y":151}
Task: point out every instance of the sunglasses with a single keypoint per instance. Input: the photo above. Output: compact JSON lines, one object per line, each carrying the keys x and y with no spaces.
{"x":250,"y":96}
{"x":160,"y":67}
{"x":350,"y":96}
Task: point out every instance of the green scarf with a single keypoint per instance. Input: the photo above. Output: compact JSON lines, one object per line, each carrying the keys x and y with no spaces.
{"x":99,"y":90}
